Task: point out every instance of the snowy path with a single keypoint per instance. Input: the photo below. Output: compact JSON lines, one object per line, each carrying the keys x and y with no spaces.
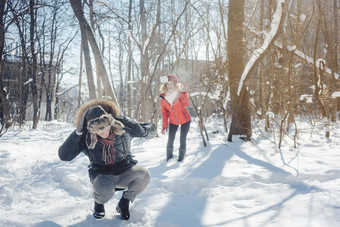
{"x":224,"y":184}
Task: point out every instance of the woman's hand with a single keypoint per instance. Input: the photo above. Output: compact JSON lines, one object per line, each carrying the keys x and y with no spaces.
{"x":184,"y":88}
{"x":164,"y":130}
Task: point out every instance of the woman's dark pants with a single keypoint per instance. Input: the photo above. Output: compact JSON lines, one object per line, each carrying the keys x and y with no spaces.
{"x":183,"y":139}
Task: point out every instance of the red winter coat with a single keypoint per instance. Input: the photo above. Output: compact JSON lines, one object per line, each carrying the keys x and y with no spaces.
{"x":177,"y":113}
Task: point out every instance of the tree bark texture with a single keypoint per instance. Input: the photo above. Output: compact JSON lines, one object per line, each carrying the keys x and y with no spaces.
{"x":240,"y":124}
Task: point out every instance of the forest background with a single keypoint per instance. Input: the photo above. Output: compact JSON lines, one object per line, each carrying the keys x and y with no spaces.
{"x":245,"y":61}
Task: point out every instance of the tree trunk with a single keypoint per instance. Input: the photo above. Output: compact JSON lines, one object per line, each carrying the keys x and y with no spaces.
{"x":262,"y":80}
{"x":121,"y":74}
{"x":80,"y":75}
{"x":88,"y":65}
{"x":4,"y":103}
{"x":24,"y":73}
{"x":336,"y":45}
{"x":240,"y":124}
{"x":100,"y":64}
{"x":100,"y":92}
{"x":76,"y":6}
{"x":129,"y":68}
{"x":51,"y":80}
{"x":34,"y":65}
{"x":144,"y":62}
{"x":78,"y":11}
{"x":331,"y":57}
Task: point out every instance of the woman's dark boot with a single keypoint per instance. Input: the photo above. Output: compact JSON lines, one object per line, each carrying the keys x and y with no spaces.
{"x":99,"y":211}
{"x":169,"y":153}
{"x":123,"y":208}
{"x":181,"y":155}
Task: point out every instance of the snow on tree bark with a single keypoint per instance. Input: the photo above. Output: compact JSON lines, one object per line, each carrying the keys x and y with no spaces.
{"x":267,"y":43}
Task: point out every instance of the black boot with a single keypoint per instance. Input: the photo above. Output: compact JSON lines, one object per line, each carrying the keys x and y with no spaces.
{"x":99,"y":211}
{"x":123,"y":208}
{"x":169,"y":153}
{"x":181,"y":154}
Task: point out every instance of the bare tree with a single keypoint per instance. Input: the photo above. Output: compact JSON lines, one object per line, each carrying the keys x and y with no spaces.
{"x":240,"y":123}
{"x":33,"y":66}
{"x":129,"y":65}
{"x":4,"y":103}
{"x":330,"y":33}
{"x":151,"y":55}
{"x":86,"y":29}
{"x":47,"y":66}
{"x":145,"y":44}
{"x":22,"y":85}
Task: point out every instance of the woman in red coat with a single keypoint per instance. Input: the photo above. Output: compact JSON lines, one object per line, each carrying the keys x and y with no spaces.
{"x":174,"y":100}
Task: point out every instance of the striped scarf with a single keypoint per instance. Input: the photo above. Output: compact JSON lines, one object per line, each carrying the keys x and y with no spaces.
{"x":109,"y":152}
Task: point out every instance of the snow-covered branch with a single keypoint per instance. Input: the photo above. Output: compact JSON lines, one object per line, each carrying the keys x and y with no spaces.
{"x":310,"y":61}
{"x":268,"y":41}
{"x":66,"y":90}
{"x":297,"y":53}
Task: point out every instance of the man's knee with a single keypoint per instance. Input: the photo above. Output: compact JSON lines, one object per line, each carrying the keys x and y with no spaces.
{"x":103,"y":185}
{"x":143,"y":175}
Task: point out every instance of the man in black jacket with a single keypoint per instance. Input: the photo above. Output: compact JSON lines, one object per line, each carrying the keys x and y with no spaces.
{"x":105,"y":137}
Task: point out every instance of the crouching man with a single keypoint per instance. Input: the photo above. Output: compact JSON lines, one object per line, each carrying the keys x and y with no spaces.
{"x":105,"y":137}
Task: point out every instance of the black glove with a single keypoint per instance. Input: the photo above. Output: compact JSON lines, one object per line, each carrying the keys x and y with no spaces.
{"x":129,"y":159}
{"x":150,"y":130}
{"x":82,"y":124}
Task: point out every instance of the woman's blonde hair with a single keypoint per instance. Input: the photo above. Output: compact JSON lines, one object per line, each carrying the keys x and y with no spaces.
{"x":164,"y":89}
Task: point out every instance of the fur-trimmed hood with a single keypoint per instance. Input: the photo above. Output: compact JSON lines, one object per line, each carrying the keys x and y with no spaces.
{"x":108,"y":105}
{"x":100,"y":114}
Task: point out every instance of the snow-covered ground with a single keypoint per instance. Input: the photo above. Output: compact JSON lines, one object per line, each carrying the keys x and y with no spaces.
{"x":223,"y":184}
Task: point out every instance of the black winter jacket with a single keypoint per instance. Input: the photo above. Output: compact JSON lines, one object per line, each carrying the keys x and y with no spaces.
{"x":75,"y":144}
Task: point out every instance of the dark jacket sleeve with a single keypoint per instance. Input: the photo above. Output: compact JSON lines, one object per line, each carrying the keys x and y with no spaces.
{"x":71,"y":147}
{"x":150,"y":130}
{"x":137,"y":129}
